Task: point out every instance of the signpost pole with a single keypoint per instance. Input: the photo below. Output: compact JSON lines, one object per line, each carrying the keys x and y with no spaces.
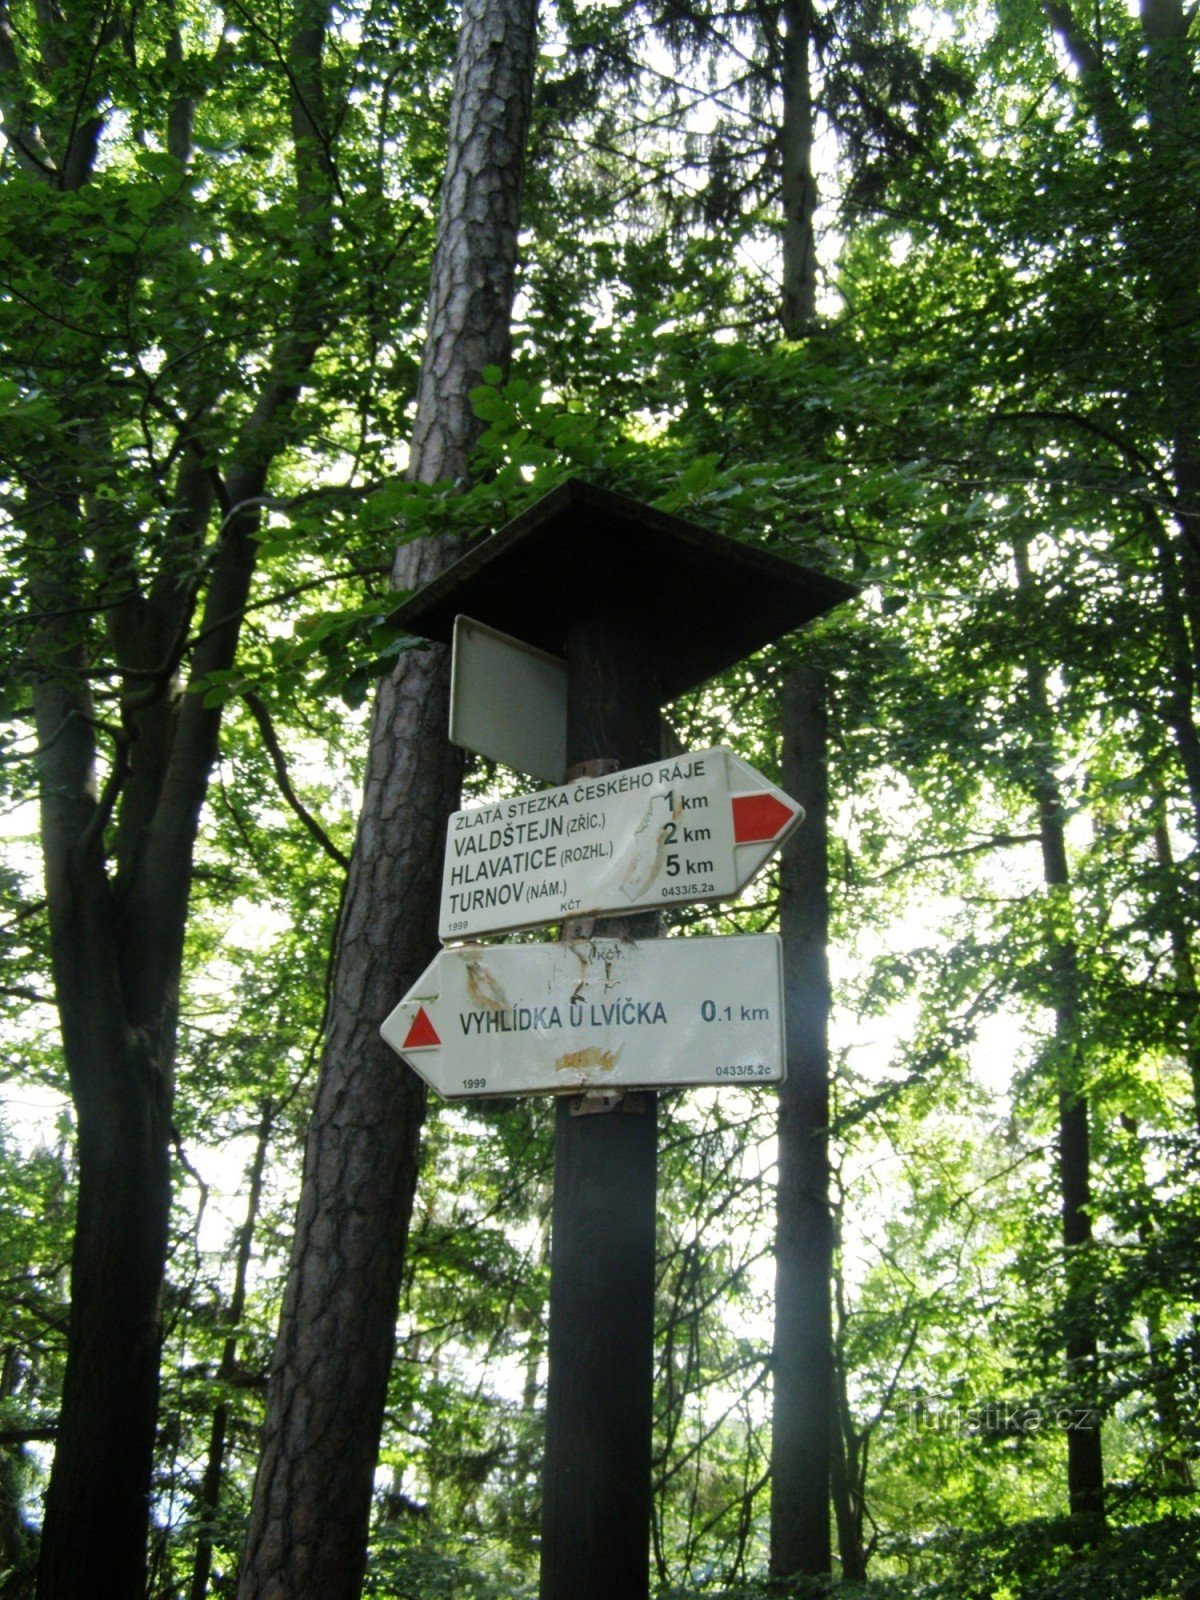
{"x":596,"y":1503}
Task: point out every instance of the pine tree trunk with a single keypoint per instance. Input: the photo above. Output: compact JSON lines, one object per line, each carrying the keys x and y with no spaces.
{"x":312,"y":1498}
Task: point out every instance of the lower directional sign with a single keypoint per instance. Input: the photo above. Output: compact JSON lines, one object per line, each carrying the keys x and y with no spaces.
{"x":595,"y":1014}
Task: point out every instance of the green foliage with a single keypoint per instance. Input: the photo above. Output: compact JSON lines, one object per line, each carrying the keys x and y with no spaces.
{"x":35,"y":1245}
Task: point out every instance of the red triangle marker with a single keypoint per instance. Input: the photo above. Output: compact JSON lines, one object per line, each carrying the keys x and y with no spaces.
{"x":758,"y":818}
{"x":422,"y":1035}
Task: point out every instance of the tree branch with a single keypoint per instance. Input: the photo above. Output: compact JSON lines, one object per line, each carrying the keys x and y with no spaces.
{"x":25,"y":991}
{"x":47,"y":1431}
{"x":262,"y":716}
{"x":21,"y":132}
{"x":1112,"y":120}
{"x":998,"y":841}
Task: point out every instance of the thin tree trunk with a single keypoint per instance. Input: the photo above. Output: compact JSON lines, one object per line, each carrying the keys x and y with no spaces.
{"x":801,"y":1438}
{"x":1085,"y":1467}
{"x":1172,"y":1471}
{"x":312,"y":1497}
{"x":848,"y":1502}
{"x":1179,"y":693}
{"x":14,"y":1533}
{"x":1185,"y":966}
{"x":1163,"y":233}
{"x":209,"y":1499}
{"x":1170,"y":251}
{"x":802,"y":1420}
{"x":848,"y":1453}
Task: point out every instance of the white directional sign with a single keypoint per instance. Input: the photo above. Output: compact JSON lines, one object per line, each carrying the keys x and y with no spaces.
{"x":696,"y":827}
{"x":595,"y":1014}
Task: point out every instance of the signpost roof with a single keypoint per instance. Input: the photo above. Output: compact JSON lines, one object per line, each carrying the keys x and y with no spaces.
{"x":711,"y":600}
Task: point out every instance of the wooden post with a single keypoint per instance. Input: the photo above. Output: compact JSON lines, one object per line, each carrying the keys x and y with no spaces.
{"x":596,"y":1501}
{"x":801,"y":1433}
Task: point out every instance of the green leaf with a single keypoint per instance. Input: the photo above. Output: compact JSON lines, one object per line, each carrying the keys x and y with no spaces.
{"x":699,"y":475}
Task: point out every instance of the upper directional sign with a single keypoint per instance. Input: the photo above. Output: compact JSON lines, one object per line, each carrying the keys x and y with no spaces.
{"x":595,"y":1014}
{"x":697,"y":827}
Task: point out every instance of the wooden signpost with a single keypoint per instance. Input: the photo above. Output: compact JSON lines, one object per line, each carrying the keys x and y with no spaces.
{"x":642,"y":606}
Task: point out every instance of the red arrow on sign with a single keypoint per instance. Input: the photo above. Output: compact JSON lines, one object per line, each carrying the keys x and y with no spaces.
{"x":422,"y":1035}
{"x":758,"y":818}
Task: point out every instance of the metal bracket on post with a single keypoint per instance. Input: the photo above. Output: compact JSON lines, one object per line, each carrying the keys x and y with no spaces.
{"x":600,"y":768}
{"x":595,"y":1101}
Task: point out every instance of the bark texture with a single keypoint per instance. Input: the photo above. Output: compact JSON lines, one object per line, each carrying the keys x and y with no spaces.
{"x":312,"y":1498}
{"x":801,"y":1439}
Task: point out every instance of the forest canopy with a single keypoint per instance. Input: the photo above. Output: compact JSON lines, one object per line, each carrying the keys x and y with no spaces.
{"x":907,"y":294}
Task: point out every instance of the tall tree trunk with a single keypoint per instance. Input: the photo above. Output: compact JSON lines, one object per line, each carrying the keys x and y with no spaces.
{"x":1085,"y":1467}
{"x":312,"y":1496}
{"x":799,"y":310}
{"x":1173,"y":198}
{"x":801,"y":1438}
{"x":118,"y":866}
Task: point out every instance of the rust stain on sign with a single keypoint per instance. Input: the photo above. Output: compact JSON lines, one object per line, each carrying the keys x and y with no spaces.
{"x":483,"y":988}
{"x":583,"y":1060}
